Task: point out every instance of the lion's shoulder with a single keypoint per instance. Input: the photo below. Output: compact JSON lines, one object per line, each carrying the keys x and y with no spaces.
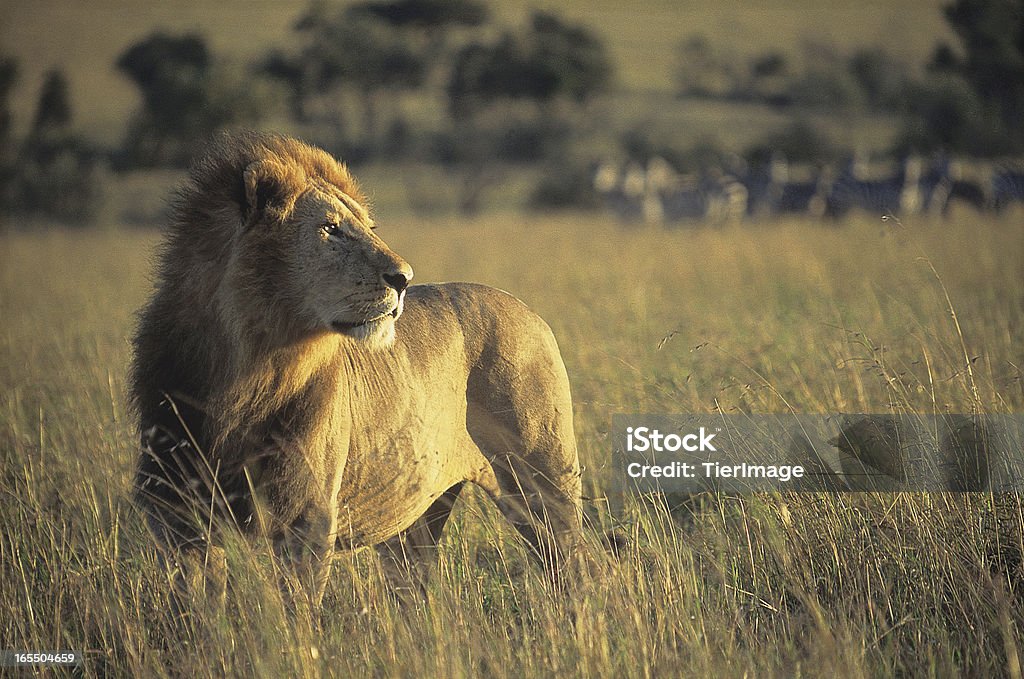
{"x":474,"y":305}
{"x":487,"y":320}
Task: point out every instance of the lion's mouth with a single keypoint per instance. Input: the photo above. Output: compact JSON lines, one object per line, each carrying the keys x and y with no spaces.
{"x":349,"y":326}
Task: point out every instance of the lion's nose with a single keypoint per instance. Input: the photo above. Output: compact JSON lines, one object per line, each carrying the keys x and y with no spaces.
{"x":399,"y":278}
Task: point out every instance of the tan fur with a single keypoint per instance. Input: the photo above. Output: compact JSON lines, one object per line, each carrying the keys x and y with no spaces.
{"x":289,"y":383}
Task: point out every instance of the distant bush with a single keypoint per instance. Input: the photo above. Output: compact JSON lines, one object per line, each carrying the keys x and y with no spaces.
{"x":702,"y":70}
{"x":399,"y":141}
{"x":642,"y":143}
{"x":768,"y":80}
{"x":186,"y":96}
{"x":505,"y":134}
{"x":826,"y":89}
{"x":974,"y":101}
{"x":8,"y":150}
{"x":52,"y":174}
{"x":352,"y":64}
{"x":869,"y":77}
{"x":60,"y":182}
{"x":549,"y":60}
{"x":883,"y":80}
{"x":432,"y":15}
{"x":527,"y":141}
{"x":565,"y":185}
{"x":513,"y":99}
{"x":992,"y":36}
{"x":800,"y":142}
{"x":947,"y":114}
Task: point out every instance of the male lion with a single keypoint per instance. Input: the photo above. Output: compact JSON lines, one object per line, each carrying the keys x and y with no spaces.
{"x":289,"y":383}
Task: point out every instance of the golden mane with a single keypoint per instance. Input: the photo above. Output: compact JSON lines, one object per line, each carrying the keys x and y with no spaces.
{"x":216,"y":180}
{"x":207,"y":213}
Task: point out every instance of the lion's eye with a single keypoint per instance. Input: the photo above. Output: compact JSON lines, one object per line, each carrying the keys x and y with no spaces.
{"x":332,"y":229}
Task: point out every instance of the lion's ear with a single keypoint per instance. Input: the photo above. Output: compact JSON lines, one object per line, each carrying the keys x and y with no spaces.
{"x":265,"y":185}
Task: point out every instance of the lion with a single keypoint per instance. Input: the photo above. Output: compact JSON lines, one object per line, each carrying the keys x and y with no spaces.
{"x":290,"y":383}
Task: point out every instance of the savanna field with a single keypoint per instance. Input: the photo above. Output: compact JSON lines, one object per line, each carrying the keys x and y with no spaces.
{"x":866,"y":316}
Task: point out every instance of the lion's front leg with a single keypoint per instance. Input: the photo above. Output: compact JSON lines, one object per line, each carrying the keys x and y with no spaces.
{"x":200,"y":578}
{"x":181,"y":504}
{"x":197,"y":568}
{"x":304,"y":550}
{"x":296,"y":496}
{"x":409,"y":558}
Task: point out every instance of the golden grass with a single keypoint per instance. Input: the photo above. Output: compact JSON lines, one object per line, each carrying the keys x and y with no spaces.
{"x":762,"y":318}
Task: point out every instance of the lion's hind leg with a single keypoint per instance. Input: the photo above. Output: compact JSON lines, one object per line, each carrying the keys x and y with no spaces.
{"x":544,"y":506}
{"x":520,"y":417}
{"x":409,"y":558}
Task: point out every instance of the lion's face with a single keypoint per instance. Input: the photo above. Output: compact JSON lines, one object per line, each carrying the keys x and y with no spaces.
{"x":349,"y":280}
{"x":316,"y":266}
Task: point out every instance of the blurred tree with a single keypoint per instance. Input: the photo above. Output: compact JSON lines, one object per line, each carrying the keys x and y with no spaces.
{"x":991,"y":59}
{"x":769,"y":79}
{"x":565,"y":183}
{"x":509,"y":99}
{"x":801,"y":141}
{"x":827,"y":88}
{"x":54,"y":174}
{"x":8,"y":78}
{"x":948,"y":115}
{"x":768,"y":65}
{"x":350,"y":51}
{"x":53,"y":112}
{"x":944,"y":60}
{"x":290,"y":71}
{"x":431,"y":15}
{"x":348,"y":47}
{"x":575,"y":57}
{"x":992,"y":34}
{"x":701,"y":71}
{"x":427,"y":26}
{"x":170,"y":72}
{"x":186,"y":96}
{"x":882,"y":79}
{"x":550,"y":60}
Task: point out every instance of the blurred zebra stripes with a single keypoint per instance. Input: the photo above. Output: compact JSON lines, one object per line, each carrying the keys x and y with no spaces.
{"x":655,"y":192}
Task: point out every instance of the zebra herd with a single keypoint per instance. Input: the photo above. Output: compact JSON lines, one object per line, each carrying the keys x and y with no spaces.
{"x":656,"y":193}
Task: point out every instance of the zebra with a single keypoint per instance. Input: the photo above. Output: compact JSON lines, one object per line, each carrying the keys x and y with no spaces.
{"x":1007,"y":187}
{"x":763,"y":186}
{"x":729,"y":198}
{"x":778,"y":190}
{"x":621,"y":189}
{"x":896,"y":193}
{"x":947,"y":183}
{"x":715,"y":196}
{"x":804,"y":197}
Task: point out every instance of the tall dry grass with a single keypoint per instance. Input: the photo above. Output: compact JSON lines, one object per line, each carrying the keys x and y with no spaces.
{"x":766,"y":318}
